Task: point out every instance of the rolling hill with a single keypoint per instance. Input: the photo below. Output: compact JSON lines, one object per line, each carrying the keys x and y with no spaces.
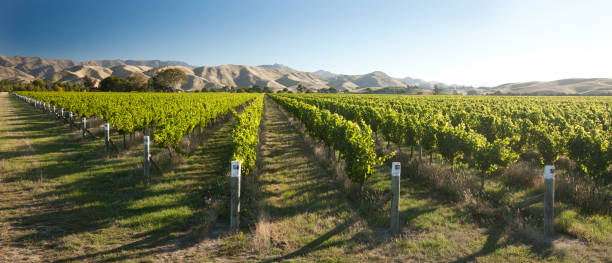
{"x":275,"y":76}
{"x":577,"y":86}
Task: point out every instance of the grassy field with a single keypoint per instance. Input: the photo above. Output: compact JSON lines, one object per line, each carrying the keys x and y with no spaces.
{"x":61,"y":200}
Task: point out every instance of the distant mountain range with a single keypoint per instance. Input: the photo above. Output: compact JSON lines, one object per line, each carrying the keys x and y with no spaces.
{"x":275,"y":76}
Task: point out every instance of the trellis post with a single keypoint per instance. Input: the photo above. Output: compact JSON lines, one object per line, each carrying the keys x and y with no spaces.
{"x":106,"y":138}
{"x":549,"y":199}
{"x":396,"y":170}
{"x":84,"y":126}
{"x":70,"y":115}
{"x":147,"y":155}
{"x":235,"y":189}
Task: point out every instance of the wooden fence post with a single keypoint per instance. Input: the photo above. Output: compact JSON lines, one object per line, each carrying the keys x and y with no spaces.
{"x":235,"y":189}
{"x":549,"y":199}
{"x":147,"y":155}
{"x":396,"y":169}
{"x":84,"y":126}
{"x":106,"y":138}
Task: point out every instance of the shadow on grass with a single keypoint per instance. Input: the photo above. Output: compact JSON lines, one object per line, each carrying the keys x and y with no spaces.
{"x":496,"y":232}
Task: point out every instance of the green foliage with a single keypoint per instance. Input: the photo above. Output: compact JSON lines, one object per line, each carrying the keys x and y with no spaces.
{"x":590,"y":150}
{"x":169,"y":79}
{"x":89,"y":83}
{"x":115,"y":84}
{"x":491,"y":156}
{"x":491,"y":131}
{"x":352,"y":140}
{"x":549,"y":144}
{"x":245,"y":134}
{"x":38,"y":85}
{"x":137,"y":81}
{"x":171,"y":115}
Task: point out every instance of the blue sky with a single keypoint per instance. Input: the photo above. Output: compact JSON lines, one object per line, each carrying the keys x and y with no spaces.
{"x":462,"y":42}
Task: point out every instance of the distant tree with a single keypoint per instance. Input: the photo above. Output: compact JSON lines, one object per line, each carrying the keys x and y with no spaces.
{"x":255,"y":88}
{"x":169,"y":80}
{"x":309,"y":91}
{"x":114,"y":84}
{"x":332,"y":90}
{"x":437,"y":90}
{"x":285,"y":90}
{"x":369,"y":90}
{"x":300,"y":88}
{"x":89,"y":83}
{"x":39,"y":83}
{"x":57,"y":86}
{"x":472,"y":92}
{"x":137,"y":81}
{"x":267,"y":89}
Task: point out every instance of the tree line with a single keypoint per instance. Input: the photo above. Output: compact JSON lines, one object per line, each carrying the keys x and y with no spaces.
{"x":166,"y":80}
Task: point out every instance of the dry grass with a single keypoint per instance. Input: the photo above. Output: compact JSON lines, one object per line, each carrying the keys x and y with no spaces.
{"x":582,"y":192}
{"x":570,"y":187}
{"x":455,"y":185}
{"x":522,"y":174}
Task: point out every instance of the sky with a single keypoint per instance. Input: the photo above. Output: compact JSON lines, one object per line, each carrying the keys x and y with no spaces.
{"x":469,"y":42}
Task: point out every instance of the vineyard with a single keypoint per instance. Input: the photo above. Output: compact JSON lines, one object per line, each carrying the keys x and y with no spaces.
{"x":467,"y":163}
{"x":491,"y":132}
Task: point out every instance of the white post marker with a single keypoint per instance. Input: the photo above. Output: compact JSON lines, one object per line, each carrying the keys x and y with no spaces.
{"x":106,"y":138}
{"x":147,"y":155}
{"x":396,"y":172}
{"x":235,"y":189}
{"x":61,"y":113}
{"x":70,"y":119}
{"x":549,"y":199}
{"x":84,"y":124}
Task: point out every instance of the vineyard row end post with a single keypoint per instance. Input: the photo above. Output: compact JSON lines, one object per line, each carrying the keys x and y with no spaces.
{"x":106,"y":138}
{"x":70,"y":115}
{"x":84,"y":126}
{"x":147,"y":155}
{"x":396,"y":171}
{"x":549,"y":199}
{"x":235,"y":198}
